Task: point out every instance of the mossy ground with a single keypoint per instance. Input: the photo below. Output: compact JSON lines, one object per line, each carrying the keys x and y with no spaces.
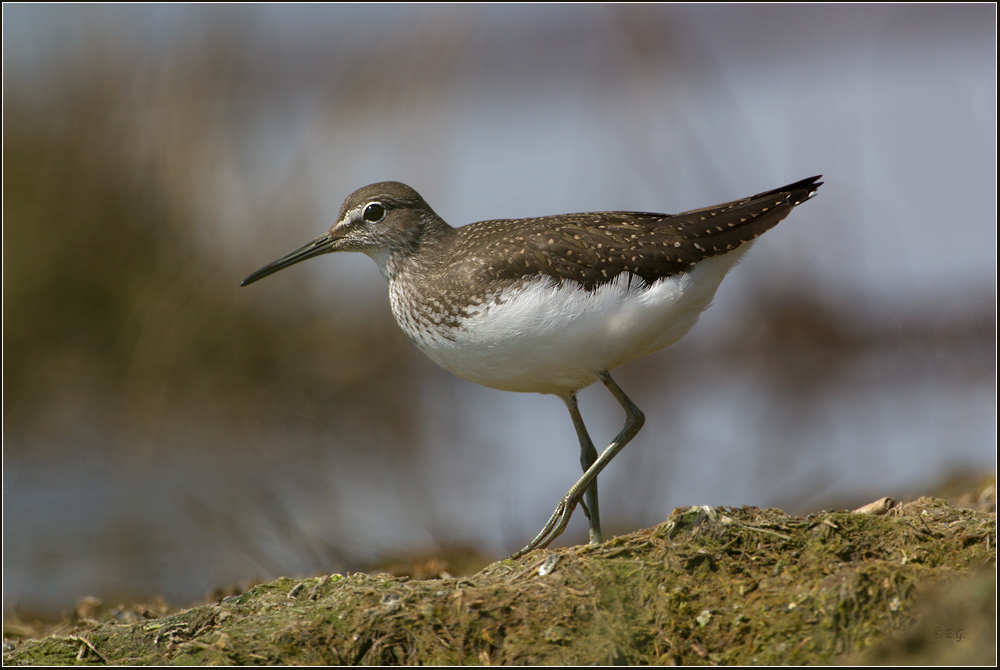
{"x":708,"y":586}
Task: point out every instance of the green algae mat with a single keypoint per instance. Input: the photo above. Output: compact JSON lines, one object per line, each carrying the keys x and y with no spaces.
{"x":912,"y":583}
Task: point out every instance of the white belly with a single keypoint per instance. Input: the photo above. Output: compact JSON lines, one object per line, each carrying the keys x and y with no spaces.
{"x":540,"y":339}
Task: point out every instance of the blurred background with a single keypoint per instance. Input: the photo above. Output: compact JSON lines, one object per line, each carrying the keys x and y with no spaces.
{"x":166,"y":432}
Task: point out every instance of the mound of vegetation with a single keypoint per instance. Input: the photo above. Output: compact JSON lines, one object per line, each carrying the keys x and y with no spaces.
{"x":708,"y":586}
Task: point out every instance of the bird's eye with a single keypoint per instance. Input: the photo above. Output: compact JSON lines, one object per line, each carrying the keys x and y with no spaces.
{"x":374,"y":212}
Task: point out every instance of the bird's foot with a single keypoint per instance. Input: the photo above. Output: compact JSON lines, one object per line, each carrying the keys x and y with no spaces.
{"x":555,"y":526}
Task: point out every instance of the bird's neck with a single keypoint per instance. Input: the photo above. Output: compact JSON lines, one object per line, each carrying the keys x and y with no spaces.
{"x":417,"y":246}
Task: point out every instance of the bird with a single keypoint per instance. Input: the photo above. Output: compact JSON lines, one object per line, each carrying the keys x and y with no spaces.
{"x":549,"y":304}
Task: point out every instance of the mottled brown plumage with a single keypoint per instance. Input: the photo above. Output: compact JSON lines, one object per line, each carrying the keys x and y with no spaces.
{"x":593,"y":248}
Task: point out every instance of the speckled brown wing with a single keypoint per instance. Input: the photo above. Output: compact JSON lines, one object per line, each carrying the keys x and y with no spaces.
{"x":594,"y":248}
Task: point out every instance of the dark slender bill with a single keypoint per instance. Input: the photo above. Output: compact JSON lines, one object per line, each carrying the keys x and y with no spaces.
{"x":319,"y":246}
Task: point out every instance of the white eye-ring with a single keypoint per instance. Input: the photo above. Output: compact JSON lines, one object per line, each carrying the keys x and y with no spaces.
{"x":374,"y":212}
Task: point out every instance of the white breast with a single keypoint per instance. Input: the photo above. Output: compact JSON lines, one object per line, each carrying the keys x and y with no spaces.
{"x":542,"y":338}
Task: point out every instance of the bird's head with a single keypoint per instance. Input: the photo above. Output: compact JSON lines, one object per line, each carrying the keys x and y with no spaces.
{"x":379,"y":220}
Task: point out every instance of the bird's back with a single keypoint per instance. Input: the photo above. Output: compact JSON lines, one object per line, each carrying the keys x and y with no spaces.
{"x":593,"y":248}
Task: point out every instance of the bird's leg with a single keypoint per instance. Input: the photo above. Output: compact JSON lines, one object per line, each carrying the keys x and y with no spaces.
{"x":588,"y":454}
{"x":557,"y":522}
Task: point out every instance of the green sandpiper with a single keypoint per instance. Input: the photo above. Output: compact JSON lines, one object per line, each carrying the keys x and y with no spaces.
{"x":549,"y":304}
